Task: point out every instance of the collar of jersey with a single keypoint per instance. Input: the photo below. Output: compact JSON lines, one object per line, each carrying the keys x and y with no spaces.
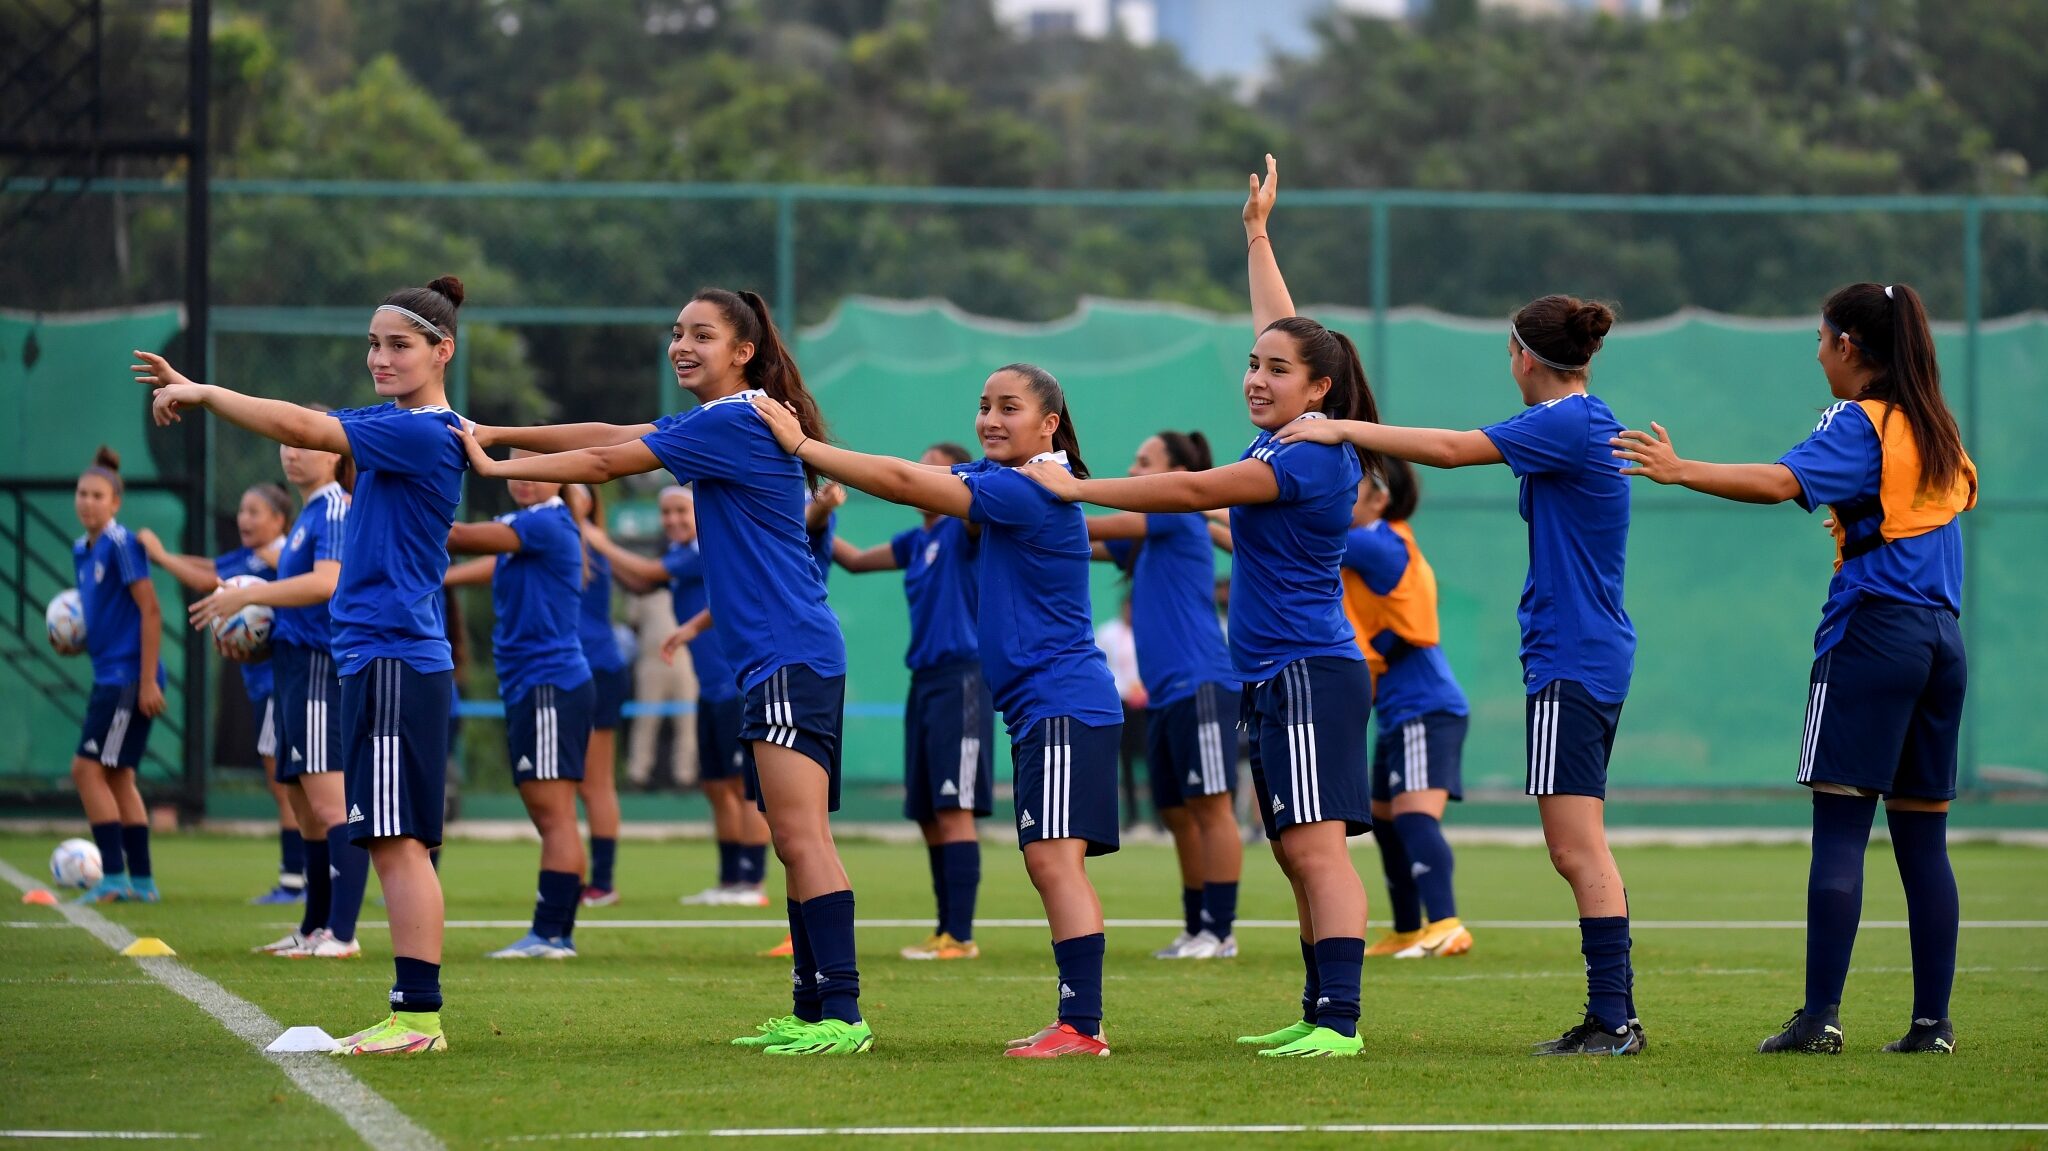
{"x":550,"y":502}
{"x":332,"y":488}
{"x":747,"y":396}
{"x":1059,"y":458}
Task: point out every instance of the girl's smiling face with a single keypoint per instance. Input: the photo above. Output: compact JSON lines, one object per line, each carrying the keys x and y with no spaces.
{"x":1277,"y":387}
{"x":1011,"y":424}
{"x":402,"y":359}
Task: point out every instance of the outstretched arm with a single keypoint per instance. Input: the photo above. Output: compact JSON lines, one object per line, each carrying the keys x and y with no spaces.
{"x":879,"y":558}
{"x":1270,"y":300}
{"x":550,"y":439}
{"x":885,"y":477}
{"x":483,"y":539}
{"x":287,"y":423}
{"x":595,"y":465}
{"x":1652,"y":455}
{"x":1437,"y":447}
{"x":471,"y":573}
{"x":1244,"y":482}
{"x":196,"y":573}
{"x":637,"y":569}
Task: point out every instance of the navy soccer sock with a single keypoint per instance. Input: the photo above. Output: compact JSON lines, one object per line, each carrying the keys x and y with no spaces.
{"x":291,"y":859}
{"x":1402,"y":895}
{"x":417,"y":986}
{"x":1191,"y":910}
{"x":1311,"y":983}
{"x":1340,"y":966}
{"x":554,"y":909}
{"x":803,"y":967}
{"x":1604,"y":942}
{"x":1834,"y":894}
{"x":1080,"y":963}
{"x":828,"y":920}
{"x":604,"y":855}
{"x":107,"y":837}
{"x":1219,"y":909}
{"x":319,"y":886}
{"x":728,"y":863}
{"x":1933,"y":912}
{"x":935,"y":858}
{"x":351,"y":866}
{"x":1429,"y":862}
{"x":961,"y":867}
{"x":752,"y":861}
{"x":135,"y":842}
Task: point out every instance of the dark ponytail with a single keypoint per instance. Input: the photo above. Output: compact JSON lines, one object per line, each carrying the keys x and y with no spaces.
{"x":1887,"y":325}
{"x":772,"y":369}
{"x":1052,"y":398}
{"x":1563,"y":332}
{"x":1331,"y":354}
{"x":1404,"y":491}
{"x":1188,"y":451}
{"x":436,"y":303}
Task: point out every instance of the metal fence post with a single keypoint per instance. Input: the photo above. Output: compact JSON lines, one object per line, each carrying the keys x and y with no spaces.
{"x":198,"y":433}
{"x":1973,"y":529}
{"x":785,"y":258}
{"x":1382,"y":292}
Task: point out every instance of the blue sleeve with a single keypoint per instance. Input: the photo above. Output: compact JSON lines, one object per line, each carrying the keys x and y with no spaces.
{"x":1121,"y":552}
{"x":534,"y":531}
{"x":1305,"y":470}
{"x":1008,"y":497}
{"x":1377,"y":555}
{"x":1840,"y":461}
{"x":224,"y":564}
{"x":1546,"y":438}
{"x":327,"y":531}
{"x":678,"y":561}
{"x":387,"y":438}
{"x":133,"y":559}
{"x":903,"y":546}
{"x":700,"y":444}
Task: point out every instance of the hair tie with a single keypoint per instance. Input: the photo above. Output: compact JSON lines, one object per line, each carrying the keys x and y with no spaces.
{"x":424,"y":324}
{"x":1888,"y":293}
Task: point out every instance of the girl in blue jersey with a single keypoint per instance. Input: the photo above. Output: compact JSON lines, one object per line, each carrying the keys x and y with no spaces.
{"x":1191,"y":733}
{"x":768,"y":596}
{"x":533,"y":560}
{"x":1885,"y":706}
{"x":1390,"y":597}
{"x":260,"y":520}
{"x":611,"y":681}
{"x":1037,"y":650}
{"x":1305,"y":678}
{"x":389,"y":638}
{"x":123,"y":636}
{"x":949,"y":719}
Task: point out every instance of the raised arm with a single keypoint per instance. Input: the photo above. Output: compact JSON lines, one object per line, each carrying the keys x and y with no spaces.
{"x":879,"y":558}
{"x":287,"y":423}
{"x":592,"y":465}
{"x":489,"y":538}
{"x":1652,"y":455}
{"x":1244,"y":482}
{"x":885,"y":477}
{"x":641,"y":571}
{"x":1270,"y":300}
{"x":196,"y":573}
{"x":1437,"y":447}
{"x":549,"y":439}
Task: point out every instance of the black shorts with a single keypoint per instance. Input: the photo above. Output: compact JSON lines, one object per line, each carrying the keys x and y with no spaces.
{"x":115,"y":730}
{"x":547,"y":732}
{"x":1064,"y":773}
{"x":801,"y":710}
{"x":1191,"y":746}
{"x":611,"y":688}
{"x":394,"y":732}
{"x":308,"y":705}
{"x":1424,"y":753}
{"x":1307,"y":728}
{"x":1884,"y":708}
{"x":1569,"y":737}
{"x":948,"y":742}
{"x":720,"y":754}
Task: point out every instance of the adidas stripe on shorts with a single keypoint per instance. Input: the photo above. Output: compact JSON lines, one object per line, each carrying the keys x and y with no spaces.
{"x":1191,"y":746}
{"x":948,"y":742}
{"x":1424,"y":753}
{"x":394,"y":743}
{"x":547,"y":731}
{"x":1064,"y":774}
{"x":1570,"y":736}
{"x":115,"y":730}
{"x":1308,"y":750}
{"x":799,"y":709}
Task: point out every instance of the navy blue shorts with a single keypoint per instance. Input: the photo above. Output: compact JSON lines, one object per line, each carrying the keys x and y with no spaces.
{"x":1191,"y":747}
{"x":720,"y":754}
{"x":547,"y":732}
{"x":115,"y":730}
{"x":1884,"y":710}
{"x":308,"y":703}
{"x":1570,"y":737}
{"x":1426,"y":752}
{"x":949,"y":734}
{"x":394,"y":750}
{"x":1308,"y":751}
{"x":611,"y":688}
{"x":801,"y":710}
{"x":1064,"y":774}
{"x":266,"y":725}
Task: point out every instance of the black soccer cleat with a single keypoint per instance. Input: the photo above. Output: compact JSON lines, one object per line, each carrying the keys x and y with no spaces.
{"x":1642,"y":1040}
{"x":1928,"y":1037}
{"x":1590,"y":1038}
{"x":1807,"y":1035}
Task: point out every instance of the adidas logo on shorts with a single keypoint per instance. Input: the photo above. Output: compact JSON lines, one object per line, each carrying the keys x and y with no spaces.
{"x":1025,"y":820}
{"x":92,"y":747}
{"x":525,"y":765}
{"x":355,"y":813}
{"x":1278,"y":806}
{"x":1194,"y":780}
{"x":948,"y":788}
{"x":296,"y":757}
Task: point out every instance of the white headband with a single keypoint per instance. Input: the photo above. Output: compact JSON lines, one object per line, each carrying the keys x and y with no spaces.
{"x":424,"y":324}
{"x":1538,"y":356}
{"x":1888,"y":293}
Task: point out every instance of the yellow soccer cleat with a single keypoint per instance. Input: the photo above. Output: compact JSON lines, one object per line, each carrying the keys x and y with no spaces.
{"x":943,"y":946}
{"x":1444,"y":938}
{"x":1395,"y":942}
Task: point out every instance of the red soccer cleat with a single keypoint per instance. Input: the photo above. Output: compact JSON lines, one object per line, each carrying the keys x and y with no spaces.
{"x":1057,"y":1040}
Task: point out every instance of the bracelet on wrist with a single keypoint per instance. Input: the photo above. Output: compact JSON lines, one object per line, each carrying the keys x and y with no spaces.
{"x":1255,"y":239}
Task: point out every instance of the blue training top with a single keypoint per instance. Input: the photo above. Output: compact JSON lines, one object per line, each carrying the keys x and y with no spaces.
{"x":765,"y":591}
{"x":1037,"y":630}
{"x":821,"y":544}
{"x":104,"y":568}
{"x":1576,"y":503}
{"x":1842,"y":461}
{"x":388,"y":604}
{"x":941,"y":580}
{"x":256,"y":677}
{"x":1173,"y":607}
{"x":716,"y":680}
{"x":1420,"y":682}
{"x":1286,"y":593}
{"x":594,"y":621}
{"x":536,"y":599}
{"x":315,"y":535}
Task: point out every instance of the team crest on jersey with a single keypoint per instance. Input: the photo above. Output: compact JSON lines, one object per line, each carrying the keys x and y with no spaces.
{"x":931,"y":553}
{"x":99,"y":572}
{"x":298,"y":539}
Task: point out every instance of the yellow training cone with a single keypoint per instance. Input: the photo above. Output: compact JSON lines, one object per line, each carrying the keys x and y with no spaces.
{"x":39,"y":896}
{"x":148,"y":945}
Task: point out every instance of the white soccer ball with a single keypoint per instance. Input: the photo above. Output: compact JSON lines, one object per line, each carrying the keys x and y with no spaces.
{"x":246,"y":633}
{"x":66,"y":620}
{"x":75,"y":863}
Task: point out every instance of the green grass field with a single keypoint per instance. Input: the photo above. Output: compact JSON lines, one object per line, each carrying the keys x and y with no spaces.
{"x":631,"y":1036}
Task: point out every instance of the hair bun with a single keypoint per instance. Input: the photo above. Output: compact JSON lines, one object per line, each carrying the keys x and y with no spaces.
{"x":1588,"y":324}
{"x":108,"y":458}
{"x":448,"y":286}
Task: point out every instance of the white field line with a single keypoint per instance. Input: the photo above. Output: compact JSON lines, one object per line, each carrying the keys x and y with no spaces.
{"x":1274,"y":1129}
{"x":781,"y":924}
{"x":325,"y":1080}
{"x":22,"y":1134}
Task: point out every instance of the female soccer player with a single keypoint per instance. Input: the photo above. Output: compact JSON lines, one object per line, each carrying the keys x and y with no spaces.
{"x":610,"y":680}
{"x":768,"y":596}
{"x":1191,"y":728}
{"x":1886,"y":703}
{"x":260,"y":520}
{"x":1043,"y":667}
{"x":123,"y":636}
{"x":390,"y":640}
{"x":533,"y":560}
{"x":737,"y":826}
{"x":949,"y":719}
{"x":1390,"y":598}
{"x":1289,"y":643}
{"x":1578,"y":646}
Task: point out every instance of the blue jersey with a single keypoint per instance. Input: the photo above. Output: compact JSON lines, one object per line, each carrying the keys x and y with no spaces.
{"x":941,"y":580}
{"x":1840,"y":463}
{"x":408,"y":481}
{"x":1418,"y":682}
{"x":716,"y":679}
{"x":1286,"y":596}
{"x":594,"y":622}
{"x":105,"y":567}
{"x":766,"y":593}
{"x":315,"y":536}
{"x":1173,"y":607}
{"x":256,"y":677}
{"x":821,"y":545}
{"x":536,"y":599}
{"x":1037,"y":630}
{"x":1576,"y":502}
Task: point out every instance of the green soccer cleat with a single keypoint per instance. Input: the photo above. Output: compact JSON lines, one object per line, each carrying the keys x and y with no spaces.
{"x":772,"y":1032}
{"x":830,"y":1037}
{"x":1319,"y":1043}
{"x":1285,"y":1035}
{"x":404,"y":1033}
